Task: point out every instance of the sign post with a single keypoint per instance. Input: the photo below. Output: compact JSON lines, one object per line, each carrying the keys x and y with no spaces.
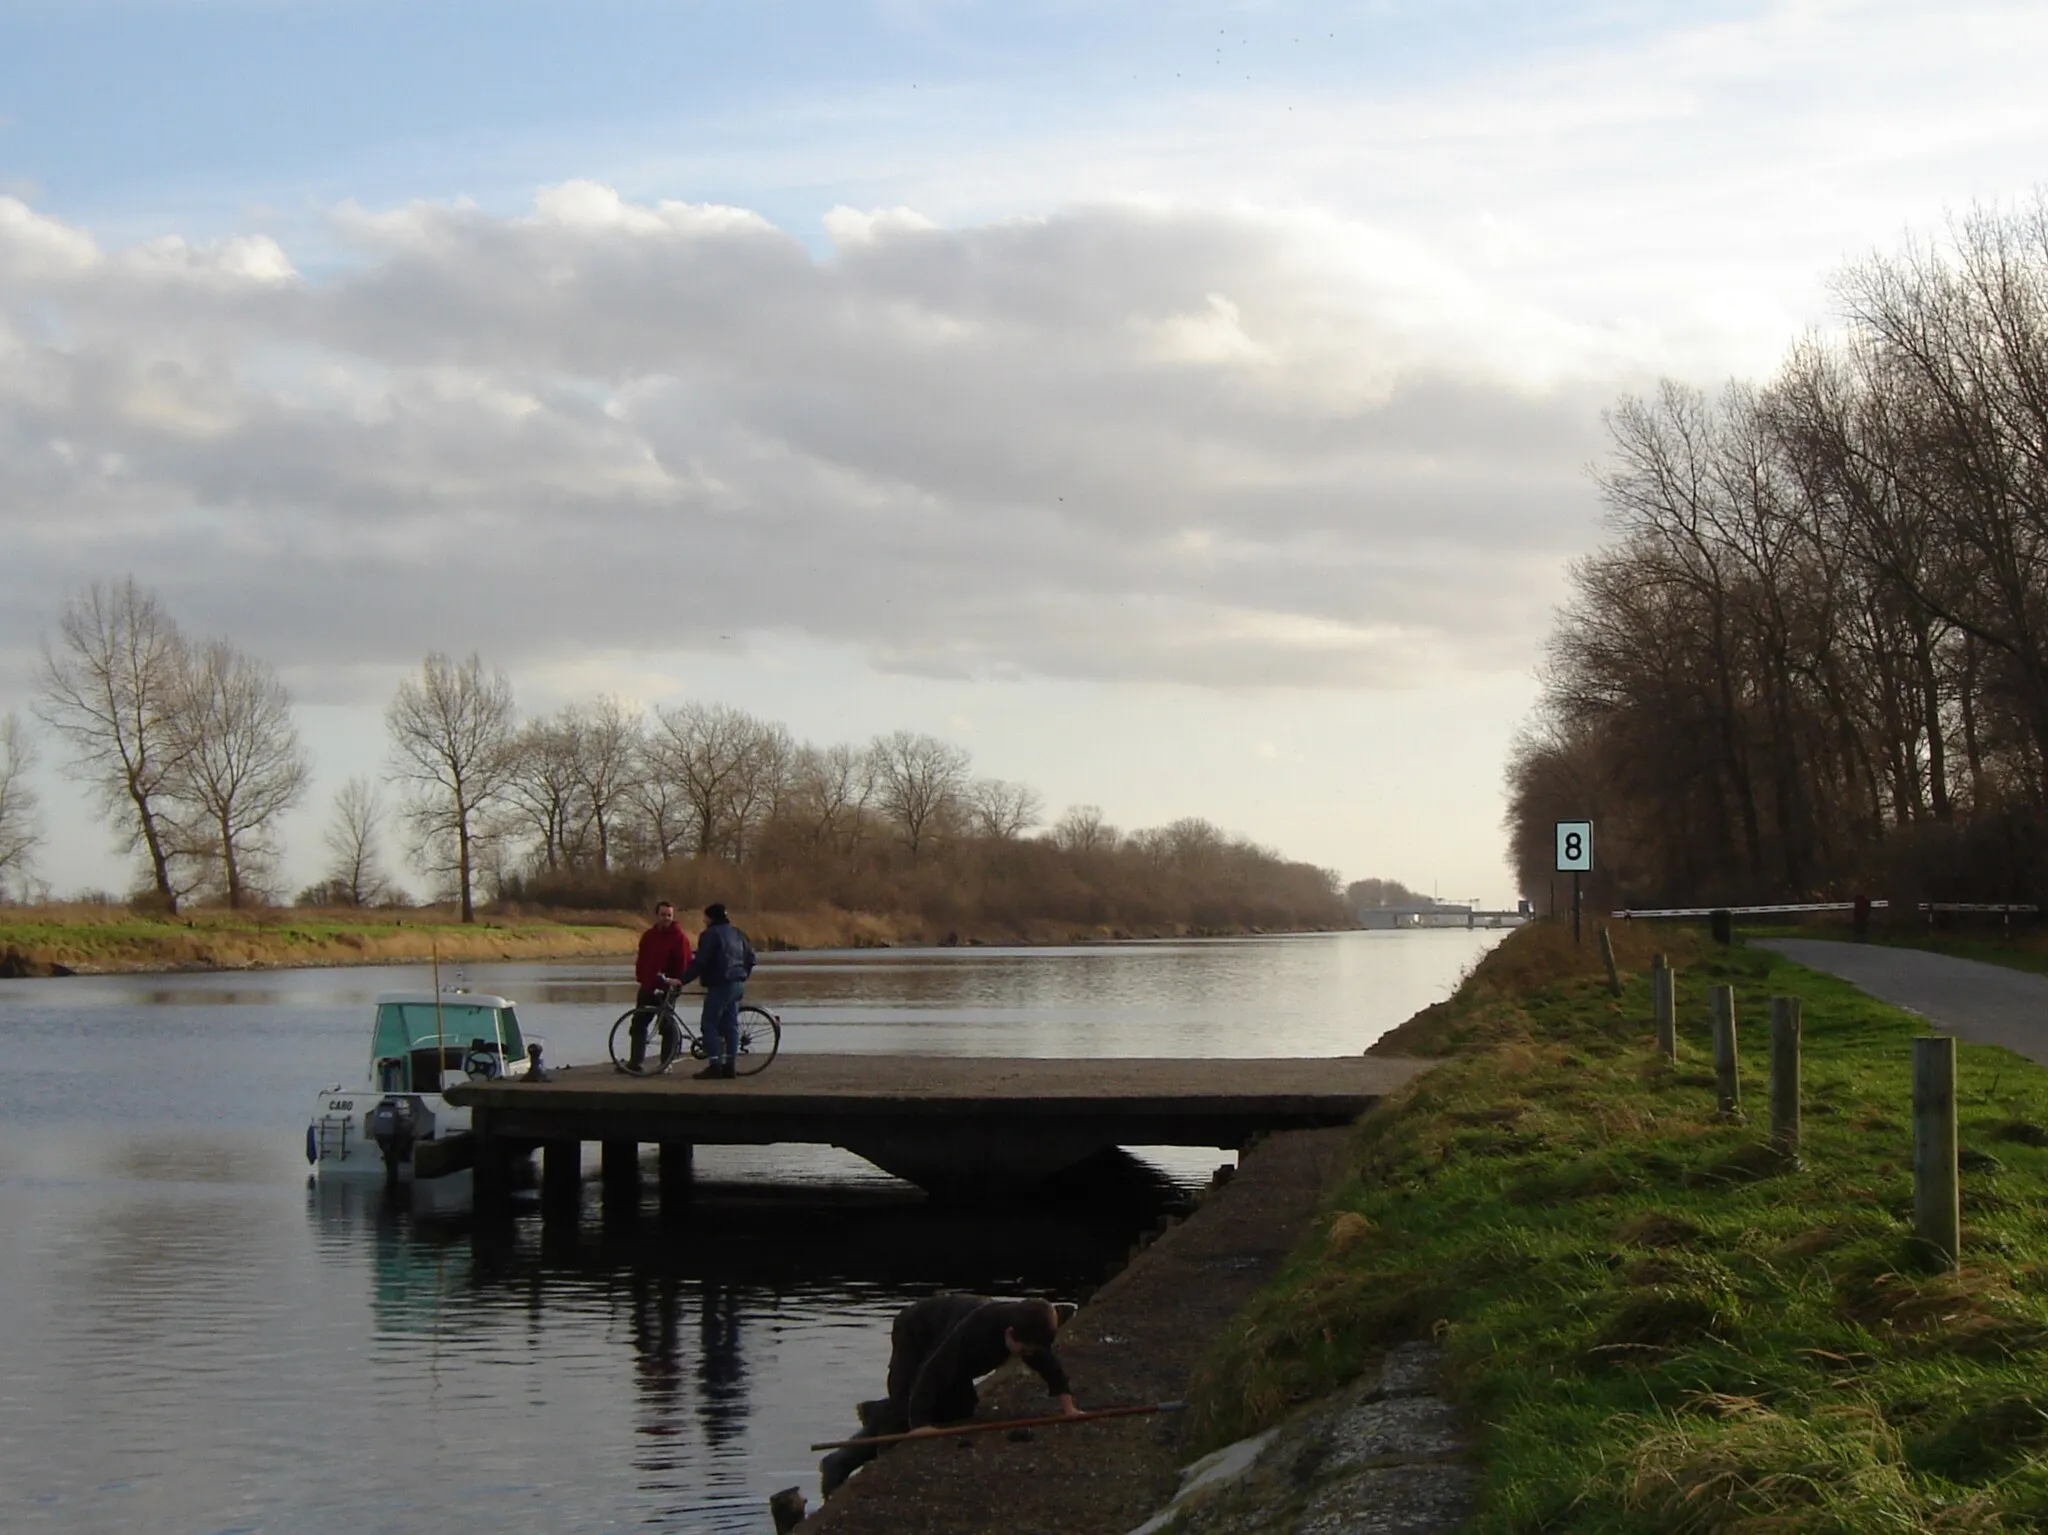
{"x":1575,"y":857}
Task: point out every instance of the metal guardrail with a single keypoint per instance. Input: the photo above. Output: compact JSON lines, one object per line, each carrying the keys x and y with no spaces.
{"x":2009,"y":909}
{"x":1753,"y":911}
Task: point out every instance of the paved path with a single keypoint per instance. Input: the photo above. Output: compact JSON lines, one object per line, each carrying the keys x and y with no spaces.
{"x":1985,"y":1004}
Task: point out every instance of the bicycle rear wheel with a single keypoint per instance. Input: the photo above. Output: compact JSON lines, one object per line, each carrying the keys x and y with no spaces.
{"x":760,"y":1038}
{"x":665,"y":1034}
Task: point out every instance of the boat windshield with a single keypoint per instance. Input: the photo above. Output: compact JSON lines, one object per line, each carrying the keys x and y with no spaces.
{"x":406,"y":1026}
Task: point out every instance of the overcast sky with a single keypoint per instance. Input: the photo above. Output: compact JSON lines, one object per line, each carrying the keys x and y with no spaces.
{"x":1186,"y":409}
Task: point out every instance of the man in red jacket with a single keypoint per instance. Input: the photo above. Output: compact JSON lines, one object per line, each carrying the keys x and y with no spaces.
{"x":664,"y":956}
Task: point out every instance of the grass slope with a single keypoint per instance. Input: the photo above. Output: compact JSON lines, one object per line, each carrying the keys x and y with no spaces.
{"x":98,"y":938}
{"x":1656,"y":1322}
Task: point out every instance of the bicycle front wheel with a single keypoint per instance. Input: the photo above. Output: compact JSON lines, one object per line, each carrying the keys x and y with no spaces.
{"x":664,"y":1036}
{"x":760,"y":1038}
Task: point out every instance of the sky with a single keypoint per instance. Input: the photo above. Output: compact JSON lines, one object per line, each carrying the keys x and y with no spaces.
{"x":1189,"y":410}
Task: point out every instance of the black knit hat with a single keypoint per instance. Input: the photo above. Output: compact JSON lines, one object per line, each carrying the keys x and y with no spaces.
{"x":715,"y":911}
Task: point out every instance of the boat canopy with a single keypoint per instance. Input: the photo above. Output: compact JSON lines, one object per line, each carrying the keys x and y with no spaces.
{"x":409,"y":1021}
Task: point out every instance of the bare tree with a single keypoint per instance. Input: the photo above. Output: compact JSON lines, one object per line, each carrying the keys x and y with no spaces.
{"x":1081,"y":829}
{"x":709,"y":752}
{"x":762,"y":787}
{"x":20,"y":829}
{"x":918,"y":784}
{"x":451,"y":741}
{"x":830,"y":790}
{"x":356,"y":872}
{"x":112,"y":687}
{"x":544,"y":790}
{"x":606,"y":739}
{"x":1003,"y":811}
{"x":240,"y":764}
{"x":660,"y":814}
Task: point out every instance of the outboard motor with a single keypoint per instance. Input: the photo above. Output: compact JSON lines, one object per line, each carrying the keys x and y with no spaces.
{"x":395,"y":1125}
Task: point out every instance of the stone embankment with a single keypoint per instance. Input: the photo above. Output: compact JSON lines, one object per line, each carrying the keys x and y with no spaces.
{"x":1138,"y":1339}
{"x":1386,"y":1456}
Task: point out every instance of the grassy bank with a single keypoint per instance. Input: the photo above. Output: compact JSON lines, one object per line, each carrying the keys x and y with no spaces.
{"x":41,"y":939}
{"x":107,"y":938}
{"x":1656,"y":1322}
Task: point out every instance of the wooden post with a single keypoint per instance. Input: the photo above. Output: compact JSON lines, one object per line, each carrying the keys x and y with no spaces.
{"x":1727,"y":1079}
{"x":1663,"y":997}
{"x":1607,"y":959}
{"x":561,"y":1178}
{"x":1937,"y":1195}
{"x":1785,"y":1074}
{"x":677,"y":1171}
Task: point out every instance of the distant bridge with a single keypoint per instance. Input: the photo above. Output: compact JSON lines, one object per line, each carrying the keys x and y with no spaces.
{"x":1437,"y":914}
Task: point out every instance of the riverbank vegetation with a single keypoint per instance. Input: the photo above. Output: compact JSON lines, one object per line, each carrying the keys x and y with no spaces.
{"x":113,"y":936}
{"x":1657,"y":1322}
{"x":1186,"y":878}
{"x":601,"y":805}
{"x":89,"y":937}
{"x":1815,"y":655}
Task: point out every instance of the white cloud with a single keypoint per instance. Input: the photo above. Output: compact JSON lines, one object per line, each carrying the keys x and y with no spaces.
{"x":1231,"y":447}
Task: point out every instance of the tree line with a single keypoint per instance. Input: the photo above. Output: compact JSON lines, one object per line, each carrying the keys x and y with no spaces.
{"x":192,"y":750}
{"x":1814,"y":657}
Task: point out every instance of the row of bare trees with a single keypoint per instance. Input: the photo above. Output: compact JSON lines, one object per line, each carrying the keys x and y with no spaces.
{"x":1814,"y":657}
{"x":192,"y":749}
{"x":583,"y":806}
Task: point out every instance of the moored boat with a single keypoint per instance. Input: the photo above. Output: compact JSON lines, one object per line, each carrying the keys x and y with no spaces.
{"x":396,"y":1125}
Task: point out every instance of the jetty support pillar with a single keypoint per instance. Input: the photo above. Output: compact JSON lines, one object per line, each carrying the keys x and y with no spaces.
{"x":621,"y":1164}
{"x":678,"y":1175}
{"x":561,"y":1177}
{"x":491,"y":1171}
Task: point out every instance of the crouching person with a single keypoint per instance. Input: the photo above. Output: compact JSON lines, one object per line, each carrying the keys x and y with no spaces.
{"x":938,"y":1349}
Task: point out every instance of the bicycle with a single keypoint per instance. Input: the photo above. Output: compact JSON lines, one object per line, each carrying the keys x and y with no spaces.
{"x":760,"y":1039}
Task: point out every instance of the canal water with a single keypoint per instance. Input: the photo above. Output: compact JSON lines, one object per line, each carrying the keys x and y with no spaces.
{"x":194,"y":1340}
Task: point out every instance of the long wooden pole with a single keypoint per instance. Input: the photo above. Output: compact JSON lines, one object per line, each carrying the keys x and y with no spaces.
{"x":440,"y":1035}
{"x":1053,"y":1420}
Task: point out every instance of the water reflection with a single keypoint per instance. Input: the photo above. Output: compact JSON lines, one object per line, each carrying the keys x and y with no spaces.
{"x":721,"y":1377}
{"x":196,"y":1342}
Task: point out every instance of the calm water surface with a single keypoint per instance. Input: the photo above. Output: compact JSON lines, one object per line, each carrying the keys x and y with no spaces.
{"x":194,"y":1339}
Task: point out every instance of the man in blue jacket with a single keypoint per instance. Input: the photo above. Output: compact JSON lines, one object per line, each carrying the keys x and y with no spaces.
{"x":723,"y":961}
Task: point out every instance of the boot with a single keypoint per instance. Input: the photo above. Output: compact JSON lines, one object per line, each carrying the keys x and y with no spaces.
{"x":727,"y":1071}
{"x":713,"y":1073}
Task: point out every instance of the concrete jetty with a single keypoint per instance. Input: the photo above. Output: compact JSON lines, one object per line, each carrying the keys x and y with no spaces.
{"x":956,"y":1126}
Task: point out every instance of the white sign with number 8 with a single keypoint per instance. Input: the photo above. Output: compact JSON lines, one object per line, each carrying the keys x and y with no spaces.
{"x":1574,"y":847}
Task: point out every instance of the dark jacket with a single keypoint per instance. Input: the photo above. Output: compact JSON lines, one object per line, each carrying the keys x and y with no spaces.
{"x":723,"y":956}
{"x":941,"y":1346}
{"x":662,"y":953}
